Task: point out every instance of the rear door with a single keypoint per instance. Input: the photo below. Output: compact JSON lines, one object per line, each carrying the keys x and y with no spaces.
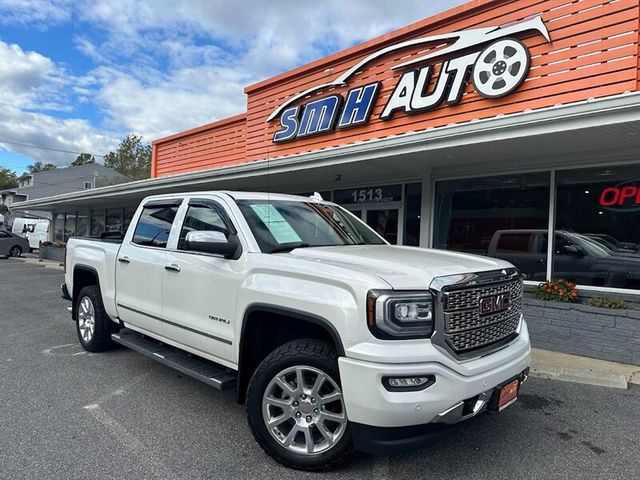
{"x":140,"y":266}
{"x":200,"y":289}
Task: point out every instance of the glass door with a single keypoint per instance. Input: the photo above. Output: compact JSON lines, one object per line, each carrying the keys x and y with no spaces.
{"x":384,"y":219}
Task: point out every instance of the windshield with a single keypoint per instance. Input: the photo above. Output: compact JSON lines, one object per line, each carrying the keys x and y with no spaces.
{"x":590,"y":246}
{"x":281,"y":225}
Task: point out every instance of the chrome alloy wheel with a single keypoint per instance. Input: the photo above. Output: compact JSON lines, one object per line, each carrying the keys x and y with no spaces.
{"x":303,"y":409}
{"x":86,"y":319}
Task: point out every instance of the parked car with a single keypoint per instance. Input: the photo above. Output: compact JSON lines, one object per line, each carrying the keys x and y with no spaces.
{"x":576,"y":257}
{"x":335,"y":339}
{"x":13,"y":245}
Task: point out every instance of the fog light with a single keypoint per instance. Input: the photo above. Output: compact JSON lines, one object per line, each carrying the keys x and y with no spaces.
{"x":408,"y":384}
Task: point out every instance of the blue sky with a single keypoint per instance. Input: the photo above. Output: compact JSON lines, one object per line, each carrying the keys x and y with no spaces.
{"x":79,"y":75}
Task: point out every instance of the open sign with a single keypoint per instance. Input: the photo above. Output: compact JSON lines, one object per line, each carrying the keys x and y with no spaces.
{"x":627,"y":195}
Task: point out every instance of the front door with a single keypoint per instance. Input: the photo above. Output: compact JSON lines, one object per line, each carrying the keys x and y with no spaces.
{"x":200,"y":290}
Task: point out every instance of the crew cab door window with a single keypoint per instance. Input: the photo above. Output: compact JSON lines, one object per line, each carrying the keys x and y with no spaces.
{"x":201,"y":217}
{"x":154,"y":226}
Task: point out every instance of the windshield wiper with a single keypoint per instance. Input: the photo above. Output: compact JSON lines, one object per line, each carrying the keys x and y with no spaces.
{"x":288,"y":247}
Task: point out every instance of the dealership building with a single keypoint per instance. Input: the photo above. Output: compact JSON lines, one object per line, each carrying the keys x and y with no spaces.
{"x":489,"y":128}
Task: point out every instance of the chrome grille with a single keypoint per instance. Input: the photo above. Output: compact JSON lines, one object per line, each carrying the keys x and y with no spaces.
{"x":467,"y":329}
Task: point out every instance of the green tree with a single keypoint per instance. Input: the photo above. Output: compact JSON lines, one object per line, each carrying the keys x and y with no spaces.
{"x":8,"y":178}
{"x":40,"y":167}
{"x":83,"y":159}
{"x":132,"y":158}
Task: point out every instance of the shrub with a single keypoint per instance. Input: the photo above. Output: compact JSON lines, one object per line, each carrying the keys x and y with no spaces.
{"x":558,"y":290}
{"x":54,"y":244}
{"x":608,"y":302}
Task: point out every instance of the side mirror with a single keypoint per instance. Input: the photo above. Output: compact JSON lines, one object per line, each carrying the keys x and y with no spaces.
{"x":214,"y":242}
{"x":573,"y":250}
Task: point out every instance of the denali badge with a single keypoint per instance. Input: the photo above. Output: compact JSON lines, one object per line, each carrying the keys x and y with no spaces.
{"x":494,"y":303}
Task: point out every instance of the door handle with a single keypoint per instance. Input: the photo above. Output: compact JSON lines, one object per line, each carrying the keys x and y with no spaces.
{"x":124,"y":260}
{"x":172,"y":268}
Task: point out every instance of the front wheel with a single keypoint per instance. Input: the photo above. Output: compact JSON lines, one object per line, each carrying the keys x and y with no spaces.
{"x":15,"y":251}
{"x":296,"y":409}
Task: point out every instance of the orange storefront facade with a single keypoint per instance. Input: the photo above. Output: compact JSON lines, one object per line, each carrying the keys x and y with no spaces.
{"x":508,"y":128}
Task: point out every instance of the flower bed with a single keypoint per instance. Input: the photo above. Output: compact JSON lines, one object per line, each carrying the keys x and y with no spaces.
{"x":580,"y":329}
{"x":50,"y":251}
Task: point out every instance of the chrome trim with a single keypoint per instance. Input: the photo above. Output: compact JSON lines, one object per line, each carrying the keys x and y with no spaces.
{"x":454,"y":414}
{"x":439,"y":287}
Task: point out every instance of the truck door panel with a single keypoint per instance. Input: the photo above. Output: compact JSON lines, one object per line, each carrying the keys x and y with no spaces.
{"x":140,"y":266}
{"x":200,"y":290}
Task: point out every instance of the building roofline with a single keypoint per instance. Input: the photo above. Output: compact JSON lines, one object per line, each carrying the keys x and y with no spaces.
{"x":584,"y":114}
{"x":429,"y":22}
{"x":217,"y":124}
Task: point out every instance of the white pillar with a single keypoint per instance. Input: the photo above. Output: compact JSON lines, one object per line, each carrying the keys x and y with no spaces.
{"x":426,"y":210}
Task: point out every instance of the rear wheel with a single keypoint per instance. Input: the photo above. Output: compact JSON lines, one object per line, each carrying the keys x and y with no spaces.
{"x":93,"y":325}
{"x":296,"y":409}
{"x":15,"y":251}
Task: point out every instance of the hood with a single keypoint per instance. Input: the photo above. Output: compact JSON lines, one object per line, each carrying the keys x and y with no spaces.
{"x":401,"y":267}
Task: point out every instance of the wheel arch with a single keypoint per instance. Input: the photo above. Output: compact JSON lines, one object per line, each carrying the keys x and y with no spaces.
{"x":271,"y":326}
{"x":83,"y":276}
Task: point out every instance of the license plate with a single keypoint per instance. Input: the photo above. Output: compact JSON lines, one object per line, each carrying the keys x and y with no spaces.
{"x":508,"y":394}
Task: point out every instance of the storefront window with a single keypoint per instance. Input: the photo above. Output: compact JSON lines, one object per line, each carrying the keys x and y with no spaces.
{"x":59,"y":227}
{"x":114,"y":220}
{"x":97,"y":222}
{"x":69,"y":226}
{"x":412,"y":208}
{"x":81,"y":229}
{"x":504,"y":216}
{"x":597,"y":239}
{"x":129,"y":212}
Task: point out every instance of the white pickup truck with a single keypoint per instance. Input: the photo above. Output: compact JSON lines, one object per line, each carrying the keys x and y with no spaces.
{"x":334,"y":339}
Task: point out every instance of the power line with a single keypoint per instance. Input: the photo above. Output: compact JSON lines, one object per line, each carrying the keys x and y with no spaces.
{"x":48,"y":148}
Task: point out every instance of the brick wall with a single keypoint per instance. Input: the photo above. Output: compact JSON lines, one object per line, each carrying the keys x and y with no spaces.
{"x":583,"y":330}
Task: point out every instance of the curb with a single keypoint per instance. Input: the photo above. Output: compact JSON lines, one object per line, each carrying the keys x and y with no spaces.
{"x":580,"y":375}
{"x":46,"y":264}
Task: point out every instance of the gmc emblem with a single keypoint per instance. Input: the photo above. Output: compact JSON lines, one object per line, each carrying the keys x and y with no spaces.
{"x":494,"y":304}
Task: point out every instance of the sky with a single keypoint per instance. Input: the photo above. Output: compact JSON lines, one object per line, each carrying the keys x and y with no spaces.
{"x":78,"y":76}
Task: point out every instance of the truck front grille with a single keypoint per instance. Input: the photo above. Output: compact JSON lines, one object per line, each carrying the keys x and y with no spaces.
{"x":479,"y":317}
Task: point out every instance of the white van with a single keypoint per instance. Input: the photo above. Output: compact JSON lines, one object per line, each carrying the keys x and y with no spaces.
{"x":23,"y":226}
{"x":40,"y":234}
{"x":35,"y":229}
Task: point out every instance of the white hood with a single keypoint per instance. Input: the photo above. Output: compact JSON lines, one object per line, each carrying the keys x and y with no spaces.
{"x":401,"y":267}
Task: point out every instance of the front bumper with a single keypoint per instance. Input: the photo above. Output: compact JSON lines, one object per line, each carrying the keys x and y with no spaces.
{"x":382,"y":418}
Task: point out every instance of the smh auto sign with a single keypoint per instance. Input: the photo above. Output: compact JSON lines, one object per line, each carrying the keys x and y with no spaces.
{"x":495,"y":59}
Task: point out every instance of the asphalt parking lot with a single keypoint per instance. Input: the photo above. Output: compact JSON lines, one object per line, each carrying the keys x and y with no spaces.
{"x":68,"y":414}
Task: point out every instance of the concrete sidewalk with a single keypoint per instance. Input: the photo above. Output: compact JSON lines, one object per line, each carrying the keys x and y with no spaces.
{"x":573,"y":368}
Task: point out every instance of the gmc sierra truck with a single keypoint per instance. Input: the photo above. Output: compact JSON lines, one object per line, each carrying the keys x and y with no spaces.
{"x":334,"y":339}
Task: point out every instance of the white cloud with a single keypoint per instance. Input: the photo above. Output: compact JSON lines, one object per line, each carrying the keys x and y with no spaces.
{"x":35,"y":13}
{"x":167,"y":65}
{"x":29,"y":128}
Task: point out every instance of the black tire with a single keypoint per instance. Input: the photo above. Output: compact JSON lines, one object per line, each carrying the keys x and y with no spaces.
{"x":15,"y":251}
{"x":304,"y":352}
{"x":100,"y":340}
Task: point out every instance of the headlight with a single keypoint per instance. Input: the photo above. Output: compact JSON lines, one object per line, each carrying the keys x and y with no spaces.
{"x":400,"y":315}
